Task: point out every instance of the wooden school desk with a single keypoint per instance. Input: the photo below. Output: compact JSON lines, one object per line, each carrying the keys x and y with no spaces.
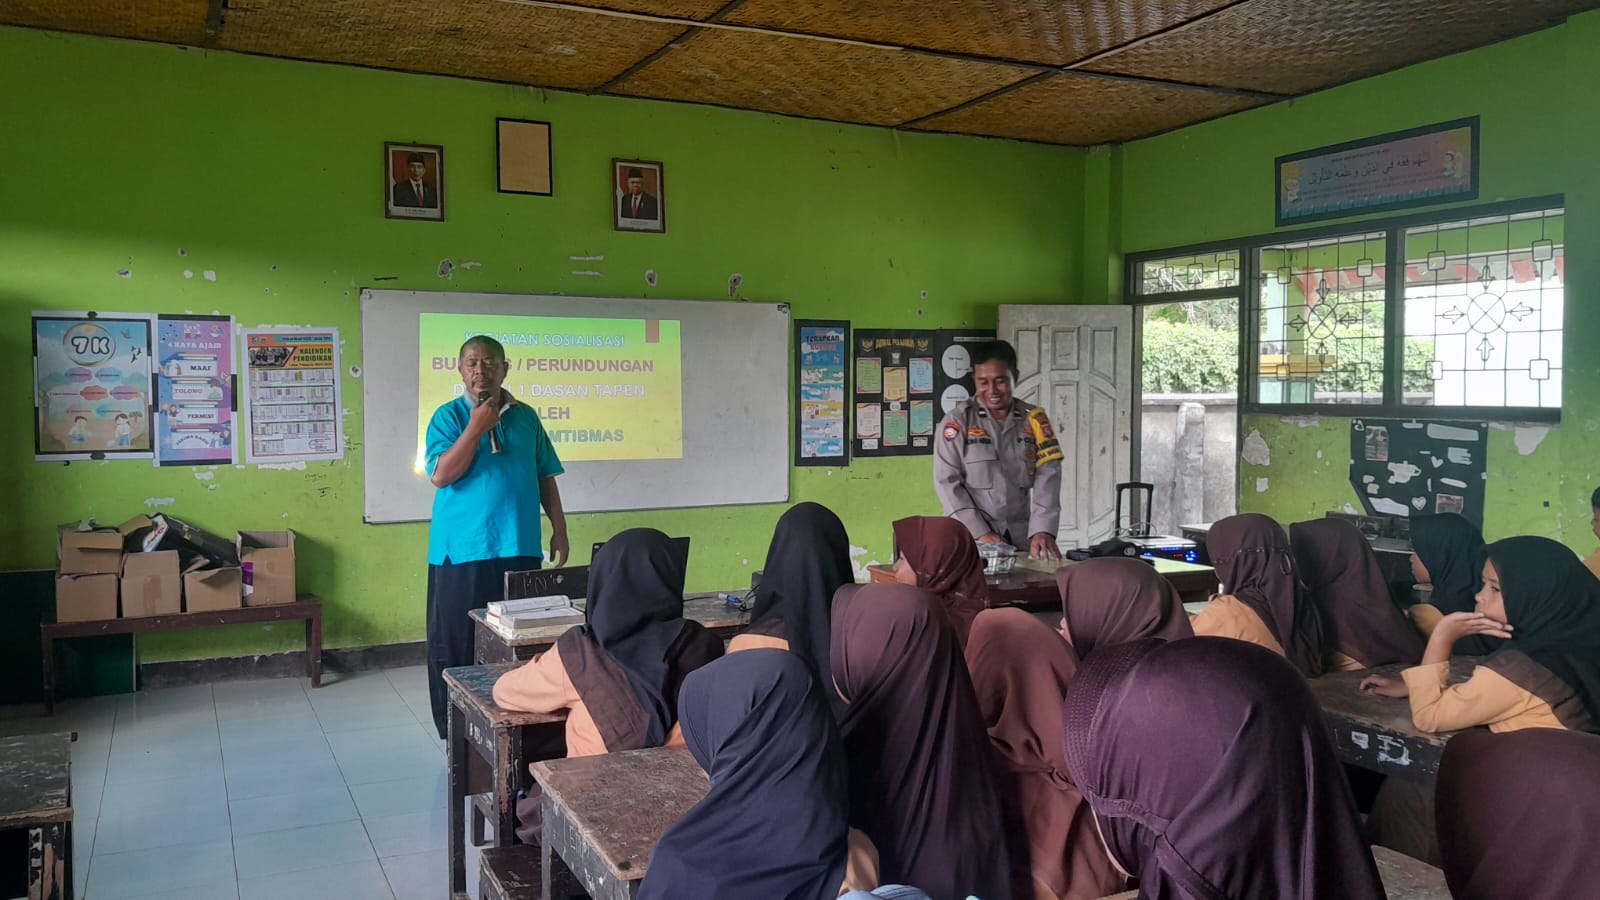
{"x":36,"y":797}
{"x":709,"y":609}
{"x":507,"y":741}
{"x":1031,"y":585}
{"x":1403,"y":878}
{"x":1376,"y":732}
{"x":603,"y":815}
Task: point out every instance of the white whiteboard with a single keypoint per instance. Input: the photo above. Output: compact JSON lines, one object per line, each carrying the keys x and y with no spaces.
{"x":735,"y":403}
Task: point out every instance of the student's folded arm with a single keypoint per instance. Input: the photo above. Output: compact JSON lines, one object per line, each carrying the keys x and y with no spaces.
{"x":541,"y":685}
{"x":1483,"y":699}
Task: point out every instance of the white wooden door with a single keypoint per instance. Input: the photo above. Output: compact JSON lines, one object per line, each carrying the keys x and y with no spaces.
{"x":1077,"y":363}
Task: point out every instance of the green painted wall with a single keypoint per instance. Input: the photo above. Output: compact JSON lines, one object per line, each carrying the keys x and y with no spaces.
{"x":1539,"y":126}
{"x":267,"y":172}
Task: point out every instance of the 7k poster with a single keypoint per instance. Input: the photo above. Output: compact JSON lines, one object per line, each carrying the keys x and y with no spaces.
{"x":194,"y":391}
{"x":91,"y":386}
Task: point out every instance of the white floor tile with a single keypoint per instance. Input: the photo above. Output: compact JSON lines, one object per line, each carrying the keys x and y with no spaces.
{"x":117,"y":875}
{"x":261,"y":814}
{"x":361,"y":881}
{"x":388,"y":798}
{"x":256,"y":778}
{"x":407,"y":833}
{"x":312,"y":847}
{"x":418,"y":876}
{"x":168,"y":826}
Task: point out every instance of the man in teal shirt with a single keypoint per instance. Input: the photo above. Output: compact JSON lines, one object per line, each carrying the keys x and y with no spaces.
{"x":493,"y":465}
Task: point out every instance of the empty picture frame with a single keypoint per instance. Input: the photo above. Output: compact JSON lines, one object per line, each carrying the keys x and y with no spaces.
{"x":524,"y":154}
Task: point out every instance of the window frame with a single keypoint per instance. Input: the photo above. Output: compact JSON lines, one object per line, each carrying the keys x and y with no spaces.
{"x":1393,"y":228}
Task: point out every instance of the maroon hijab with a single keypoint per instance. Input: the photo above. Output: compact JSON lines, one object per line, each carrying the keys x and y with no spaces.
{"x":1253,"y":561}
{"x":1114,"y":600}
{"x":1212,"y":774}
{"x":1020,"y":669}
{"x":945,"y":557}
{"x":922,"y":775}
{"x":1341,"y":573}
{"x":1517,"y":814}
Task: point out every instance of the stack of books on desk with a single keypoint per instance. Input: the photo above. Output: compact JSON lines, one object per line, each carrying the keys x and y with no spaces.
{"x":522,"y":617}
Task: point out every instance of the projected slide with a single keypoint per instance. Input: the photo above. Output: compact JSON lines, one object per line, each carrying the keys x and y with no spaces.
{"x":606,"y":389}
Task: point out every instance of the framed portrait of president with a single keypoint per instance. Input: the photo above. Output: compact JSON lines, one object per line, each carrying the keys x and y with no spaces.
{"x":638,"y":200}
{"x":413,"y":181}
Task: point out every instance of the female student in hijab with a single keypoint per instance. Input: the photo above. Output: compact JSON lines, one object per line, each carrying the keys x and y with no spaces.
{"x":939,"y":555}
{"x":923,"y":779}
{"x":619,"y":672}
{"x":774,"y":823}
{"x":1115,"y":600}
{"x":1212,"y":775}
{"x":1021,"y":669}
{"x":1341,"y":573}
{"x":1544,"y":606}
{"x":1447,"y":553}
{"x":1512,"y":811}
{"x":808,"y":560}
{"x":1263,"y":599}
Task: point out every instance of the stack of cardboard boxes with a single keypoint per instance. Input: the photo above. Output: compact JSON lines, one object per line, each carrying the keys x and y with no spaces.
{"x":164,"y":565}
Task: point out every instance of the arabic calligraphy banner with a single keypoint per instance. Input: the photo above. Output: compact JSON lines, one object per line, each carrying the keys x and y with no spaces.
{"x":1420,"y":167}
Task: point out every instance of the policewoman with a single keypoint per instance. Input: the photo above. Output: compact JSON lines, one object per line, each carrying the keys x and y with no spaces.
{"x":996,"y":461}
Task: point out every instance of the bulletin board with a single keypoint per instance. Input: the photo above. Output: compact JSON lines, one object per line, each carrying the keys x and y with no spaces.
{"x":1407,"y":468}
{"x":895,"y":399}
{"x":952,"y":377}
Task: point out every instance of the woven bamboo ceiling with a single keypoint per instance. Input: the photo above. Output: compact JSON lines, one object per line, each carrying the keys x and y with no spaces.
{"x":1058,"y":71}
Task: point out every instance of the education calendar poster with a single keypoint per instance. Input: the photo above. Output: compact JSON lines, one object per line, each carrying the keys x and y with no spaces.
{"x":291,"y":395}
{"x":91,"y":386}
{"x":194,"y":413}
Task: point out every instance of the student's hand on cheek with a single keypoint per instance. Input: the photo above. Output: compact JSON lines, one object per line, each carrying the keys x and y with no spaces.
{"x":1459,"y":625}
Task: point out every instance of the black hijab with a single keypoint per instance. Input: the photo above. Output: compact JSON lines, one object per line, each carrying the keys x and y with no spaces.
{"x":1254,"y":562}
{"x":634,"y":618}
{"x":924,"y":781}
{"x":775,"y":821}
{"x":1213,"y":775}
{"x":1553,"y":604}
{"x":1451,"y":549}
{"x":808,"y":561}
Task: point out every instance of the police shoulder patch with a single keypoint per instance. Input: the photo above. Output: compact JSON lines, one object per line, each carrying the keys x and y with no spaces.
{"x":951,"y":431}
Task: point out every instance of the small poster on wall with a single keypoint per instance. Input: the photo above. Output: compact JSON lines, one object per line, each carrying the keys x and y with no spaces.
{"x":291,"y":397}
{"x":895,"y":392}
{"x":1420,"y":167}
{"x":1409,"y":468}
{"x":822,"y":349}
{"x":91,"y":378}
{"x":194,"y":391}
{"x":413,"y":178}
{"x":952,"y":375}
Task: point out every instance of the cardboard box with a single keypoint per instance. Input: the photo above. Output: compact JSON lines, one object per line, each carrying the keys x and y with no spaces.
{"x":151,"y":585}
{"x":87,"y":549}
{"x":86,"y":598}
{"x":267,"y":558}
{"x":208,"y":590}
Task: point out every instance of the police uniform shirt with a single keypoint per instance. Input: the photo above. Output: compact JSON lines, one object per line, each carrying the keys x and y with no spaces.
{"x":985,"y":472}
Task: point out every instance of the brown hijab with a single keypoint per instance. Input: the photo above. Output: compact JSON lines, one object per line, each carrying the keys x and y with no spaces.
{"x":1517,"y":815}
{"x":1114,"y":600}
{"x":923,"y":782}
{"x":1253,"y":561}
{"x":1341,"y":573}
{"x":1213,"y":776}
{"x":945,"y":557}
{"x":1021,"y":669}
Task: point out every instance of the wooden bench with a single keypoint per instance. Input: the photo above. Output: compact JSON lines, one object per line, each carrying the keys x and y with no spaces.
{"x":603,"y":815}
{"x":1403,"y":878}
{"x":507,"y":741}
{"x":709,"y":609}
{"x":36,"y":797}
{"x":307,"y":607}
{"x":1031,"y":585}
{"x":1377,"y":733}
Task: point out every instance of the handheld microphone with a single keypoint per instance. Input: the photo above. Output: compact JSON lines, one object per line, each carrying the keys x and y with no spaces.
{"x":494,"y":433}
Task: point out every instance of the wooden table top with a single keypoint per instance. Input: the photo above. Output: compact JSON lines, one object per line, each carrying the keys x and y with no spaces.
{"x":621,"y":803}
{"x":709,"y":609}
{"x":1038,"y":577}
{"x":1339,"y":694}
{"x":35,"y":780}
{"x":1403,"y":878}
{"x":475,"y":685}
